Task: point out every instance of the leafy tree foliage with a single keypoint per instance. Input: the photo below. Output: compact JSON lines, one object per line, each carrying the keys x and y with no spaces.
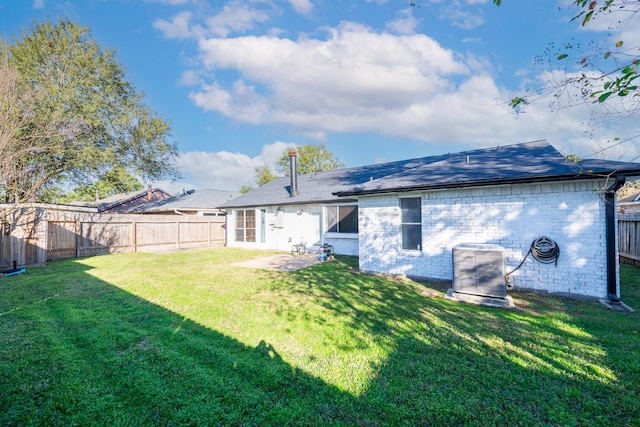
{"x":114,"y":181}
{"x":599,"y":72}
{"x":264,"y":175}
{"x":245,"y":189}
{"x":80,"y":116}
{"x":310,"y":158}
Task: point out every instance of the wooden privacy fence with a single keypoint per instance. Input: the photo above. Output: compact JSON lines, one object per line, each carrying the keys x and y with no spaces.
{"x":629,"y":238}
{"x":31,"y":235}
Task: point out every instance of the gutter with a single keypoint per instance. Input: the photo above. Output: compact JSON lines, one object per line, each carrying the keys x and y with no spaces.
{"x":466,"y":184}
{"x":286,"y":202}
{"x":612,"y":254}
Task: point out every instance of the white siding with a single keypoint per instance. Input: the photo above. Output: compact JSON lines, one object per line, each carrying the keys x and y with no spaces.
{"x":282,"y":229}
{"x":290,"y":226}
{"x":572,"y":214}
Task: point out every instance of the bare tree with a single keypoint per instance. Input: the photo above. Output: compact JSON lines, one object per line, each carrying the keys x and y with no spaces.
{"x":22,"y":136}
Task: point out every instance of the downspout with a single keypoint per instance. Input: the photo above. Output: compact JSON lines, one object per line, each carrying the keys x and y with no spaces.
{"x":176,"y":211}
{"x":610,"y":218}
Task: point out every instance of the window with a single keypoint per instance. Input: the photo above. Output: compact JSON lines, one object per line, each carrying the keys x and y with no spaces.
{"x":245,"y":225}
{"x":411,"y":221}
{"x":342,"y":219}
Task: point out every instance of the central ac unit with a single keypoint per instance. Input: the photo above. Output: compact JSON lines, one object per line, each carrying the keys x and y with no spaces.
{"x":479,"y":275}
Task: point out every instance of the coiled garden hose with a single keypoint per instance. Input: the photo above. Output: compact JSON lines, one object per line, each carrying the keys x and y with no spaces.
{"x":543,"y":250}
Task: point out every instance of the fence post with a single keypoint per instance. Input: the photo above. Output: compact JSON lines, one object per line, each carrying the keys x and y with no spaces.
{"x":134,"y":237}
{"x":178,"y":234}
{"x":78,"y":231}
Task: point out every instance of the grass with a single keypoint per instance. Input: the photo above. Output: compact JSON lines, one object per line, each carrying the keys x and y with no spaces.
{"x":190,"y":339}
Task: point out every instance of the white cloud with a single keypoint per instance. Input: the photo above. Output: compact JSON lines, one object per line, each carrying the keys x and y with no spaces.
{"x":346,"y":83}
{"x":351,"y":79}
{"x":237,"y":16}
{"x":38,"y":4}
{"x":404,"y":23}
{"x":461,"y":17}
{"x":177,"y":27}
{"x":272,"y":152}
{"x":360,"y":81}
{"x":224,"y":170}
{"x":620,"y":25}
{"x":303,"y":7}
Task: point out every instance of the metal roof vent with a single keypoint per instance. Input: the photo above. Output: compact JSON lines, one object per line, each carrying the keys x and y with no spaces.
{"x":293,"y":172}
{"x":479,"y":275}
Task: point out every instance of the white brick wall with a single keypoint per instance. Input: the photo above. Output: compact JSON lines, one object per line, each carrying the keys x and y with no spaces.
{"x":572,"y":214}
{"x":343,"y":245}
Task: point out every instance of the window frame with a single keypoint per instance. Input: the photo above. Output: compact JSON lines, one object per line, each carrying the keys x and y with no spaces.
{"x":410,"y":226}
{"x":337,"y":217}
{"x":242,"y":225}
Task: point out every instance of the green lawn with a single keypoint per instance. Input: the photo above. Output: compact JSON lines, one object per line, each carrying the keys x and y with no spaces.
{"x":189,"y":339}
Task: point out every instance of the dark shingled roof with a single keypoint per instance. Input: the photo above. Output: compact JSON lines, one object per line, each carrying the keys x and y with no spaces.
{"x":124,"y":201}
{"x":191,"y":200}
{"x":318,"y":187}
{"x":535,"y":161}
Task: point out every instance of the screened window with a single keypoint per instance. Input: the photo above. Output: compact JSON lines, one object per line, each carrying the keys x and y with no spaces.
{"x":342,"y":219}
{"x":245,"y":225}
{"x":411,"y":220}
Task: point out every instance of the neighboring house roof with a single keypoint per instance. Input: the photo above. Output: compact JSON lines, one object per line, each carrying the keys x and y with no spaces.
{"x":200,"y":200}
{"x":629,"y":204}
{"x":125,"y":201}
{"x":535,"y":161}
{"x":632,"y":198}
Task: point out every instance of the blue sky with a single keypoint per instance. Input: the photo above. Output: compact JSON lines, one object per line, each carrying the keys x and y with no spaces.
{"x":372,"y":80}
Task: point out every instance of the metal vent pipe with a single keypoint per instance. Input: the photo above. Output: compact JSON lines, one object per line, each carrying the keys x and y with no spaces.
{"x":293,"y":172}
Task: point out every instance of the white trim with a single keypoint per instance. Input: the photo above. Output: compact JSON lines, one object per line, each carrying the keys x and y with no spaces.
{"x":334,"y":235}
{"x":325,"y":226}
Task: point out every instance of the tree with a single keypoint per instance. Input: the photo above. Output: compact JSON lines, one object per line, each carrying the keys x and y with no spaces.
{"x":114,"y":181}
{"x":23,"y":134}
{"x":245,"y":189}
{"x":85,"y":120}
{"x":310,"y":158}
{"x":600,"y":73}
{"x":264,"y":175}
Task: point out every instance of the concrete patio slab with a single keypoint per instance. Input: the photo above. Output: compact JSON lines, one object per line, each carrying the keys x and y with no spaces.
{"x":282,"y":262}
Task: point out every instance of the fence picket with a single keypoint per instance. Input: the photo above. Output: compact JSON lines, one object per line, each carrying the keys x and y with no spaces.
{"x":34,"y":234}
{"x":629,"y":238}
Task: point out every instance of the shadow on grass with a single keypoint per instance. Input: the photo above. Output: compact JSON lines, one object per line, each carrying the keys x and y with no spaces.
{"x":83,"y":352}
{"x":553,"y":361}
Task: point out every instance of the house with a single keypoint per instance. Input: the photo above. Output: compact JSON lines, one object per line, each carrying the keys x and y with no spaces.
{"x":630,"y":204}
{"x":125,"y":201}
{"x":202,"y":203}
{"x":406,"y":217}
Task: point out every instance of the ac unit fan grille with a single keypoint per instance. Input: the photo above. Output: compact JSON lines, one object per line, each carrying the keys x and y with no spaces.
{"x":479,"y":270}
